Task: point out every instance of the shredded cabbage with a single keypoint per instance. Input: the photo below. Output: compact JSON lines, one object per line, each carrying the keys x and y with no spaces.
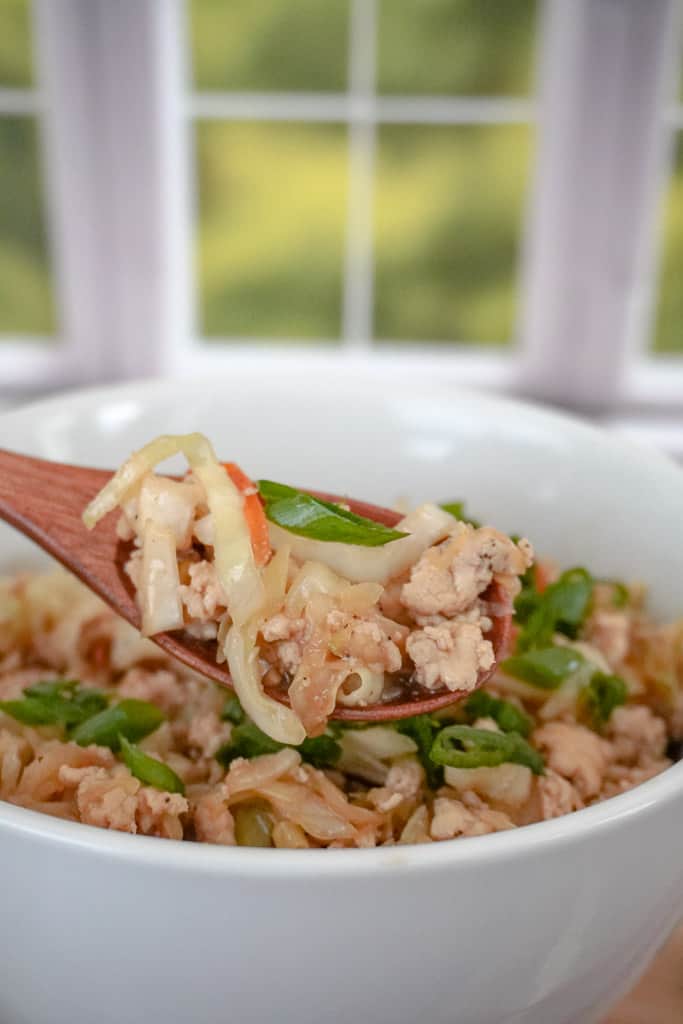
{"x":170,"y":504}
{"x":159,"y":594}
{"x":233,"y":556}
{"x":275,"y":719}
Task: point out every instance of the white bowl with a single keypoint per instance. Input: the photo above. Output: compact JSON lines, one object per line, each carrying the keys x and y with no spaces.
{"x":543,"y":925}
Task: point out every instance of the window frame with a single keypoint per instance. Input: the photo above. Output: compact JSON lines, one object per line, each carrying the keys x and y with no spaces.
{"x":112,"y":81}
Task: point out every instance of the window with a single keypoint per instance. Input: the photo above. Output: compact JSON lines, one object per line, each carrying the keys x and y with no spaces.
{"x":26,"y":297}
{"x":468,"y":187}
{"x":361,"y":168}
{"x":667,"y":335}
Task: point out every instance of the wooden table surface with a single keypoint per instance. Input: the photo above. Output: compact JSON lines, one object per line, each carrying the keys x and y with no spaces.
{"x":658,"y":997}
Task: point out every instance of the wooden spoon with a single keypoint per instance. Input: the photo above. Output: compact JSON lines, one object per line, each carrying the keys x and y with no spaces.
{"x":45,"y":500}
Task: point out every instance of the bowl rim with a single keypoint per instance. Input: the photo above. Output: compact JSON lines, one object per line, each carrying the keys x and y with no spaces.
{"x":190,"y":858}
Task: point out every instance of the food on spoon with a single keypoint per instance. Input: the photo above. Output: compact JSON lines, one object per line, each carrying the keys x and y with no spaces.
{"x":303,"y":596}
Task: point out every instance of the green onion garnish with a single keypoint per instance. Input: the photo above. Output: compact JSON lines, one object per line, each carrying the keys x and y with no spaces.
{"x":545,"y":668}
{"x":247,"y":740}
{"x":600,"y":697}
{"x":620,"y":593}
{"x":148,"y":769}
{"x":506,"y":715}
{"x":58,"y":702}
{"x":306,"y":516}
{"x":132,"y":719}
{"x":561,"y":608}
{"x":422,"y":729}
{"x":233,"y":711}
{"x":457,"y":510}
{"x":462,"y":746}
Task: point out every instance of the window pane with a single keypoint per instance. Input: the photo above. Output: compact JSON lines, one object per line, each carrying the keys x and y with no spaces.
{"x":26,"y":305}
{"x":669,"y":321}
{"x":16,"y":63}
{"x":465,"y":47}
{"x":268,"y":44}
{"x":449,"y":204}
{"x":272,"y":204}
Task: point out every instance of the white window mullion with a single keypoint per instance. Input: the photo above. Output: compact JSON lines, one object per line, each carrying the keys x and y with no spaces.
{"x":178,"y":192}
{"x":15,"y":101}
{"x":359,"y":264}
{"x":30,"y":364}
{"x":133,"y":60}
{"x":102,"y":132}
{"x":64,"y":35}
{"x":601,"y":95}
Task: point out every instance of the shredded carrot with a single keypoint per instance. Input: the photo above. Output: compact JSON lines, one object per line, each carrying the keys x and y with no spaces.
{"x":542,"y":577}
{"x":253,"y":512}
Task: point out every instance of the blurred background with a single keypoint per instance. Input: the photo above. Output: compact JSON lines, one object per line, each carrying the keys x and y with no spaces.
{"x":487,"y":190}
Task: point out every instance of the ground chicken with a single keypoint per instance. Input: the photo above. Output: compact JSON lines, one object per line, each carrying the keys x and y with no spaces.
{"x":403,"y":782}
{"x":15,"y":753}
{"x":556,"y":795}
{"x":114,"y":799}
{"x":206,"y":733}
{"x":451,"y":655}
{"x":159,"y":813}
{"x":13,"y":683}
{"x":448,"y":578}
{"x":213,"y":822}
{"x":41,"y":779}
{"x":575,"y":753}
{"x":364,"y":641}
{"x":621,"y":778}
{"x":637,"y":735}
{"x":203,"y":597}
{"x":610,"y":632}
{"x":453,"y":818}
{"x":159,"y":686}
{"x":288,"y":636}
{"x":107,"y":799}
{"x":390,"y":600}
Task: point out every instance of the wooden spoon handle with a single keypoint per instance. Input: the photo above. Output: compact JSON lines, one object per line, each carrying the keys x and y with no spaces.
{"x":45,"y":501}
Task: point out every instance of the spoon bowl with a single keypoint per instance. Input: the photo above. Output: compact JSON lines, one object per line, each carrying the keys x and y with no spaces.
{"x":45,"y":501}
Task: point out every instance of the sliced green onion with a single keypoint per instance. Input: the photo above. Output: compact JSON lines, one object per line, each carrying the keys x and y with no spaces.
{"x":422,"y":729}
{"x":506,"y":715}
{"x":462,"y":746}
{"x":601,"y":696}
{"x":545,"y":668}
{"x":58,"y":702}
{"x":457,"y":510}
{"x":620,"y":593}
{"x":528,"y":599}
{"x":29,"y":712}
{"x":233,"y":711}
{"x":306,"y":516}
{"x":247,"y":740}
{"x":133,"y":719}
{"x":561,"y":608}
{"x":148,"y":769}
